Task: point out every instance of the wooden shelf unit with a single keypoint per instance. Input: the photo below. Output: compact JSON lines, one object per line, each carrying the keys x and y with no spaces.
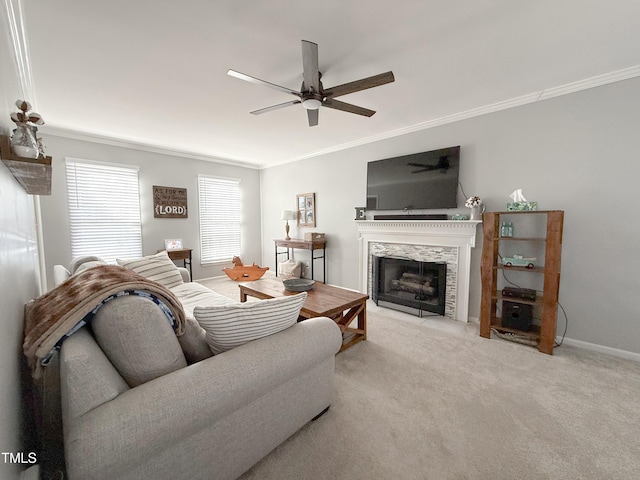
{"x":34,"y":174}
{"x":546,"y":300}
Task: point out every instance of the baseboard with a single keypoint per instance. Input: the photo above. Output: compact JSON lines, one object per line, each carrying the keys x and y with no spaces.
{"x":616,"y":352}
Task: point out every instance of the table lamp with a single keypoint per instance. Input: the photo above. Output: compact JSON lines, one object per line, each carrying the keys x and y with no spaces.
{"x":287,"y":215}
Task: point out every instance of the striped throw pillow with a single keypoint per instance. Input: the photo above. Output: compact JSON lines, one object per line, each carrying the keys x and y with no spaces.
{"x":159,"y":268}
{"x":229,"y":326}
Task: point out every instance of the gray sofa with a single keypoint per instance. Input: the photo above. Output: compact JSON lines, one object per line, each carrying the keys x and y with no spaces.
{"x":197,"y":418}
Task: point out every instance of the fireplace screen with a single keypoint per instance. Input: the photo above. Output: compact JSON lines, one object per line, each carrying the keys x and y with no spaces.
{"x":409,"y":285}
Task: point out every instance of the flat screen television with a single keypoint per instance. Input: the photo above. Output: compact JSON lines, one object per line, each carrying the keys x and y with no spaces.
{"x":427,"y":180}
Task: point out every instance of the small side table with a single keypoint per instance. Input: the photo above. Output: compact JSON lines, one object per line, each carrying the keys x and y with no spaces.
{"x":183,"y":254}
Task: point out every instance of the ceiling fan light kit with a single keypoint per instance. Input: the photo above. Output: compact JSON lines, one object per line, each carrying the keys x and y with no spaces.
{"x":312,"y":94}
{"x":311,"y":103}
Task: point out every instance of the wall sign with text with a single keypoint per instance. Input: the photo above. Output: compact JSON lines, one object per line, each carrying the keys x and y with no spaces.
{"x":170,"y":202}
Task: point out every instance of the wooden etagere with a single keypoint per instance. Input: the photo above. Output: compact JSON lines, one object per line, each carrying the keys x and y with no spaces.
{"x":34,"y":174}
{"x":546,"y":300}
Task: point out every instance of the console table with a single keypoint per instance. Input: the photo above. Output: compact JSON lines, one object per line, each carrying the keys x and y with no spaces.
{"x":183,"y":254}
{"x":311,"y":245}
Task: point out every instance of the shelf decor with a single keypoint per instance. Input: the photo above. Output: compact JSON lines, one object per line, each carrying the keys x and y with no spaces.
{"x":519,"y":203}
{"x":34,"y":174}
{"x":23,"y":142}
{"x":23,"y":154}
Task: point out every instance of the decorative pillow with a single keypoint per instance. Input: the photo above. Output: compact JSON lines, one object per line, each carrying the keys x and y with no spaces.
{"x":229,"y":326}
{"x":290,"y":268}
{"x":136,"y":337}
{"x":82,"y":263}
{"x":159,"y":268}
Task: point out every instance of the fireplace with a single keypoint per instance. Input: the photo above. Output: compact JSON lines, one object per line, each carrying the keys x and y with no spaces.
{"x":448,"y":241}
{"x":409,"y":285}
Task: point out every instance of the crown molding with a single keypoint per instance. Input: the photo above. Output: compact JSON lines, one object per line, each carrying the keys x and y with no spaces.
{"x":592,"y":82}
{"x":52,"y":130}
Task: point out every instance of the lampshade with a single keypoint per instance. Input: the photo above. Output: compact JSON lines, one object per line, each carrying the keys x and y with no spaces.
{"x":288,"y":215}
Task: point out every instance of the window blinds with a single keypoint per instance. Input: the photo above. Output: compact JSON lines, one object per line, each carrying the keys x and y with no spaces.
{"x":219,"y":218}
{"x":104,"y":210}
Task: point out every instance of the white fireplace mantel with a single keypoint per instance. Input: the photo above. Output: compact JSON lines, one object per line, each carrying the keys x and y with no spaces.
{"x":459,"y":234}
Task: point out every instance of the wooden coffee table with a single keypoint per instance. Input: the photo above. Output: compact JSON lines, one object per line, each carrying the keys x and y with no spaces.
{"x":342,"y":305}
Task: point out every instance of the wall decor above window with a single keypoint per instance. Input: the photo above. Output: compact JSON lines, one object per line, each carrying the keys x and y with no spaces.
{"x":306,"y":205}
{"x":170,"y":202}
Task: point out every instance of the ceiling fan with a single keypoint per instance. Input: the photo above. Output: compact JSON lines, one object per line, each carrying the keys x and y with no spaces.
{"x":312,"y":94}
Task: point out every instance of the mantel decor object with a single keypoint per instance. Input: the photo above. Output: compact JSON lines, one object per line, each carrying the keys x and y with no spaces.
{"x":23,"y":142}
{"x":477,"y":207}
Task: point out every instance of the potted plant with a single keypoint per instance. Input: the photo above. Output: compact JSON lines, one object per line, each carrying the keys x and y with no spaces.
{"x":24,"y":142}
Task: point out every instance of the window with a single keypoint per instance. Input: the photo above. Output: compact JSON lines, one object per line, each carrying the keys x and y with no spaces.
{"x":219,"y":218}
{"x":104,"y":210}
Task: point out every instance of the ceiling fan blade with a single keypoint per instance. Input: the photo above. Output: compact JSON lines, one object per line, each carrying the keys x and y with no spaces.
{"x":347,"y":107}
{"x":359,"y":85}
{"x":274,"y":107}
{"x":310,"y":70}
{"x":312,"y":115}
{"x":249,"y":78}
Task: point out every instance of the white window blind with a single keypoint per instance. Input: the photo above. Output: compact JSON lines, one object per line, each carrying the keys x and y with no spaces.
{"x":219,"y":218}
{"x":104,"y":210}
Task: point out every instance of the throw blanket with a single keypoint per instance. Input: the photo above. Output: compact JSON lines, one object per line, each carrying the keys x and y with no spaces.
{"x":62,"y":310}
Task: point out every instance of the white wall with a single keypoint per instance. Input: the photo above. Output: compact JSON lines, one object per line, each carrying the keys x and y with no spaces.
{"x":155,"y":169}
{"x":18,"y":275}
{"x":578,"y":153}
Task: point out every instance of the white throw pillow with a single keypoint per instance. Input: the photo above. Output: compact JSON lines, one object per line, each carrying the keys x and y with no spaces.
{"x":290,"y":268}
{"x":159,"y":268}
{"x":229,"y":326}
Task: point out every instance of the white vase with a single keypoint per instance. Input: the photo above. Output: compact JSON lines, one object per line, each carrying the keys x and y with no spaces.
{"x":23,"y":142}
{"x":476,"y":212}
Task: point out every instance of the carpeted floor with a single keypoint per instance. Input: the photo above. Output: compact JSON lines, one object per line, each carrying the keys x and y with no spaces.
{"x":430,"y":399}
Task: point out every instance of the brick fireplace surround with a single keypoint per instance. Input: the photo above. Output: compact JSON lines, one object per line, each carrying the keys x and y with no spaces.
{"x":424,"y":240}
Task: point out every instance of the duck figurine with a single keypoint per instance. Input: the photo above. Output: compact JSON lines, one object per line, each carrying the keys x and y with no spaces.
{"x":244,"y":272}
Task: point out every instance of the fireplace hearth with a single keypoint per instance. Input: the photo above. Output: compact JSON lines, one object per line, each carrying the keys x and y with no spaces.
{"x":411,"y":286}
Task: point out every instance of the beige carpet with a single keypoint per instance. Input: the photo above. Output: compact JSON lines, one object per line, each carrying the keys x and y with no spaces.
{"x":416,"y":401}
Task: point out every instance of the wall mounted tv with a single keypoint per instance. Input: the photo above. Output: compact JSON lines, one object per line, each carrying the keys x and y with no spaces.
{"x":427,"y":180}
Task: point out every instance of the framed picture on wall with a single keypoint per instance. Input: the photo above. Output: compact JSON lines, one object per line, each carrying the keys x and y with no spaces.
{"x":306,"y":209}
{"x":170,"y":202}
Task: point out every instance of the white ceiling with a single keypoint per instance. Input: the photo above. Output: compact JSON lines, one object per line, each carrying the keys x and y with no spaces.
{"x":153,"y":72}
